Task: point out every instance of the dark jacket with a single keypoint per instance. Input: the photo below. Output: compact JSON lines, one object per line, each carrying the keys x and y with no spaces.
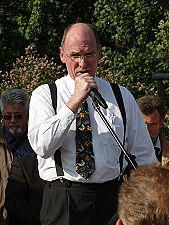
{"x":24,"y":191}
{"x":165,"y":151}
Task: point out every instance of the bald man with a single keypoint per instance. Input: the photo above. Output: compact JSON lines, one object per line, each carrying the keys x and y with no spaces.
{"x":77,"y":155}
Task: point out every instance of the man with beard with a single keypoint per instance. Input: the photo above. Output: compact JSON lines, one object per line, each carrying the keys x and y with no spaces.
{"x":153,"y":112}
{"x":14,"y":105}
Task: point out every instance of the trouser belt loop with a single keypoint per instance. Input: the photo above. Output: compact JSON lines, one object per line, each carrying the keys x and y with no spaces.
{"x":67,"y":183}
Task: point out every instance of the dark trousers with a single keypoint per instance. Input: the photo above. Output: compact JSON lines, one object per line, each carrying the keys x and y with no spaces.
{"x":73,"y":203}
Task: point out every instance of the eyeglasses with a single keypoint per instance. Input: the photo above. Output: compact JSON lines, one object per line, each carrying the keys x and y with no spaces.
{"x":152,"y":125}
{"x":77,"y":58}
{"x":15,"y":116}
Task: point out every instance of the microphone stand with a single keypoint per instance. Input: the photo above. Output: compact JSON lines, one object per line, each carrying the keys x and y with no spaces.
{"x":127,"y":156}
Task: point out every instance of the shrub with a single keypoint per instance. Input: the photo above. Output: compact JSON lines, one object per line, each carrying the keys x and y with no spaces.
{"x":162,"y":50}
{"x":137,"y":88}
{"x":30,"y":71}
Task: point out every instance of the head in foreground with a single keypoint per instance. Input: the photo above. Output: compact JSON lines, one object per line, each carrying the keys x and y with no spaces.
{"x":144,"y":198}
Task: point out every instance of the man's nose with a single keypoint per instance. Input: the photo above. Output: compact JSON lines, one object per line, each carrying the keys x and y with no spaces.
{"x":13,"y":119}
{"x":82,"y":61}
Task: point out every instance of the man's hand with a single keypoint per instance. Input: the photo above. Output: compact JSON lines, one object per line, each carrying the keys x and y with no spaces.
{"x":83,"y":85}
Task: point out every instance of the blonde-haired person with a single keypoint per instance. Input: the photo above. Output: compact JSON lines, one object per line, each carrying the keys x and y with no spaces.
{"x":144,"y":198}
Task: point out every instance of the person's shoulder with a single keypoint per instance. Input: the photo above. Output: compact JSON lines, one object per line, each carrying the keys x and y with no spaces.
{"x":165,"y":151}
{"x":125,"y":90}
{"x":25,"y":159}
{"x":105,"y":82}
{"x":1,"y":135}
{"x":40,"y":89}
{"x":126,"y":94}
{"x":164,"y":142}
{"x":44,"y":88}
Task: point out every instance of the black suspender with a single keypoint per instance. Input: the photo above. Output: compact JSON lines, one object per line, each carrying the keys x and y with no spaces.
{"x":53,"y":91}
{"x":119,"y":99}
{"x":57,"y":155}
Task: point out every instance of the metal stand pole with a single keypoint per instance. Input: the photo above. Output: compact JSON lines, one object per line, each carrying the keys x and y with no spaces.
{"x":128,"y":158}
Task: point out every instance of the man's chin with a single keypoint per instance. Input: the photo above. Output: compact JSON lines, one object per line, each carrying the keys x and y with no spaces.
{"x":17,"y":131}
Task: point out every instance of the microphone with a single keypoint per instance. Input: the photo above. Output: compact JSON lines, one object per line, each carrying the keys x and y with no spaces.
{"x":96,"y":96}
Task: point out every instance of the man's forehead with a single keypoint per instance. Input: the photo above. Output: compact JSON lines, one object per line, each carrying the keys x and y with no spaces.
{"x":8,"y":107}
{"x":77,"y":43}
{"x":155,"y":116}
{"x":80,"y":33}
{"x":80,"y":27}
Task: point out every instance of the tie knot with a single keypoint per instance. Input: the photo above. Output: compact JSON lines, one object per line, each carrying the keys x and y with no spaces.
{"x":157,"y":149}
{"x":158,"y":153}
{"x":84,"y":106}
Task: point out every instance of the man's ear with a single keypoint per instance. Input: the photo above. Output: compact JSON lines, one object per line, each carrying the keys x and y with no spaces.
{"x":119,"y":222}
{"x":62,"y":57}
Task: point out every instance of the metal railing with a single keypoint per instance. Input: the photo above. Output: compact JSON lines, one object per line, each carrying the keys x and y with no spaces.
{"x":160,"y":86}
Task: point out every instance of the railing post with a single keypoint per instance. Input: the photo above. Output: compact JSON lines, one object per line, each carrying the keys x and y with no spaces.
{"x":160,"y":77}
{"x":160,"y":89}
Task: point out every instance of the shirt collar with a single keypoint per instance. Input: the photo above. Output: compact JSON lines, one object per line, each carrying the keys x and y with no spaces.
{"x":71,"y":84}
{"x":8,"y":137}
{"x":157,"y":143}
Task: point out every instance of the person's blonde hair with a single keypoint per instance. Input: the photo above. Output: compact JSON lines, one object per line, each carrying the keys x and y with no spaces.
{"x":144,"y":198}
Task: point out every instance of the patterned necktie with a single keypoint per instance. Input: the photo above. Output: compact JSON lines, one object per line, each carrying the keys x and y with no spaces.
{"x":158,"y":153}
{"x":84,"y":149}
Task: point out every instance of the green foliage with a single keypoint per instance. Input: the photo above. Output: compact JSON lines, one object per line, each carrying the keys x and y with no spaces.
{"x":162,"y":43}
{"x":11,"y":44}
{"x":134,"y":35}
{"x":128,"y":29}
{"x":38,"y":23}
{"x":30,"y":71}
{"x":161,"y":49}
{"x":106,"y":71}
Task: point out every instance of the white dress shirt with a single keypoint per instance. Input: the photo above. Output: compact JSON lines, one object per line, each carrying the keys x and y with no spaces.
{"x":157,"y":143}
{"x":47,"y":132}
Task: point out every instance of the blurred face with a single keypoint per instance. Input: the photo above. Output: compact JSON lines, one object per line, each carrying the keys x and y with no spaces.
{"x":153,"y":123}
{"x":15,"y":119}
{"x":80,"y":52}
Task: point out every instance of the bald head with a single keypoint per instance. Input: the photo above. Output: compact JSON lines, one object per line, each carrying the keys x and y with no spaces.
{"x":80,"y":30}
